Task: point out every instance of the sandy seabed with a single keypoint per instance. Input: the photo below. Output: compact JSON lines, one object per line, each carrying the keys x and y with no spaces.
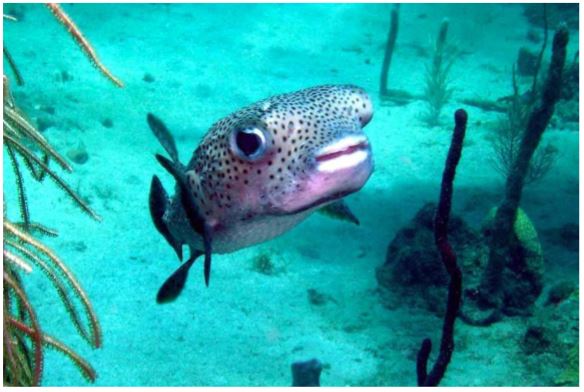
{"x":246,"y":329}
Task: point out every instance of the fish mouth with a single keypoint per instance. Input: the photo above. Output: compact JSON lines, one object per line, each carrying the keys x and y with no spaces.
{"x":340,"y":168}
{"x":345,"y":153}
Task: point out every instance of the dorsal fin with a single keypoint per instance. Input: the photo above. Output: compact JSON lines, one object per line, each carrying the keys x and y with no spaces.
{"x":163,"y":135}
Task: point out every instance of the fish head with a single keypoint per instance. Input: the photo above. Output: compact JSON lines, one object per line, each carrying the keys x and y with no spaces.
{"x":284,"y":155}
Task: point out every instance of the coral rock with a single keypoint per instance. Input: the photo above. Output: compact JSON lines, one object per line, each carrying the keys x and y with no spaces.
{"x":413,"y":268}
{"x":523,"y":277}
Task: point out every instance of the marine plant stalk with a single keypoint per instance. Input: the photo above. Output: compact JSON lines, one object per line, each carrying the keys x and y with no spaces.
{"x":389,"y":47}
{"x":499,"y":247}
{"x":449,"y":259}
{"x":437,"y":92}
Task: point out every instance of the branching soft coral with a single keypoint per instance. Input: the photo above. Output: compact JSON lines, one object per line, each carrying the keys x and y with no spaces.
{"x":86,"y":47}
{"x":27,"y":149}
{"x":24,"y":338}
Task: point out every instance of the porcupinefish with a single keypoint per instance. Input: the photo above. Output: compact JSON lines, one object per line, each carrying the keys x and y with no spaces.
{"x":260,"y":171}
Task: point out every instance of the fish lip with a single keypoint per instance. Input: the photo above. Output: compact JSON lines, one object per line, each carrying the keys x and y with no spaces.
{"x":345,"y":146}
{"x":348,"y":153}
{"x":317,"y":203}
{"x":340,"y":168}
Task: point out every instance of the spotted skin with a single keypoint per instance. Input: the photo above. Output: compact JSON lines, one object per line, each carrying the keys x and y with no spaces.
{"x":248,"y":202}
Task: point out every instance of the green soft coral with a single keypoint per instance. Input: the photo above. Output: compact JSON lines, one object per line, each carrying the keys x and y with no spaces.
{"x":570,"y":376}
{"x":524,"y":230}
{"x":525,"y":236}
{"x":524,"y":271}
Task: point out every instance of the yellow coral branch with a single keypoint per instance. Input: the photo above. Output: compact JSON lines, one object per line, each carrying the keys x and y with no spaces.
{"x":15,"y":122}
{"x":17,"y":261}
{"x":75,"y":32}
{"x":26,"y":153}
{"x":93,"y":323}
{"x":35,"y":330}
{"x":59,"y":286}
{"x":83,"y":365}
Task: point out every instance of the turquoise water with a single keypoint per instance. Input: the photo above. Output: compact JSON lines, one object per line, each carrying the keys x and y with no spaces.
{"x":321,"y":294}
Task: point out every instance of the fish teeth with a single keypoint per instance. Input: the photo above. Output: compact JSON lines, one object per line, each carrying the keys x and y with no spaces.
{"x":346,"y":153}
{"x":342,"y":162}
{"x":343,"y":144}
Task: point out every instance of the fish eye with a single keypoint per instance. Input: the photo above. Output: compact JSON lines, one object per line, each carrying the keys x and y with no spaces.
{"x":249,"y":143}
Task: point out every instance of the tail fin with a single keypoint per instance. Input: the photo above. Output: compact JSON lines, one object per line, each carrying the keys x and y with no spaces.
{"x":173,"y":286}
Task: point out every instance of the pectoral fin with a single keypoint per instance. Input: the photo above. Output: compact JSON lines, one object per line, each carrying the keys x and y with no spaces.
{"x":339,"y":210}
{"x":158,"y":202}
{"x":173,"y":286}
{"x":158,"y":199}
{"x":196,"y":220}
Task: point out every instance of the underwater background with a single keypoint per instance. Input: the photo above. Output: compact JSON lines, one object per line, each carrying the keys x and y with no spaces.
{"x":327,"y":289}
